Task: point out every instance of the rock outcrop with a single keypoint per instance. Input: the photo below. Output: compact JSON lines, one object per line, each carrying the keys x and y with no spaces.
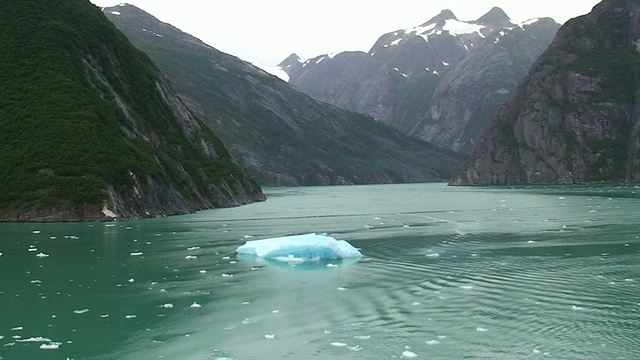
{"x":576,"y":116}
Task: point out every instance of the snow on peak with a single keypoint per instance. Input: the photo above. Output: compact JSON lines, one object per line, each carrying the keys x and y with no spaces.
{"x":529,"y":22}
{"x":455,"y":27}
{"x":273,"y":70}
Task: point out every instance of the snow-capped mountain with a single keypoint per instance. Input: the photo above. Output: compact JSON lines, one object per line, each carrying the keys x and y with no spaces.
{"x":441,"y":81}
{"x":279,"y":134}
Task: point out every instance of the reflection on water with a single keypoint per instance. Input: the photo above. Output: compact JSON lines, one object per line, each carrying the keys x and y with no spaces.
{"x":450,"y":273}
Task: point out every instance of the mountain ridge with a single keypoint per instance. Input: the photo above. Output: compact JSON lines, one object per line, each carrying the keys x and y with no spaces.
{"x":280,"y":135}
{"x":91,"y":130}
{"x":402,"y":79}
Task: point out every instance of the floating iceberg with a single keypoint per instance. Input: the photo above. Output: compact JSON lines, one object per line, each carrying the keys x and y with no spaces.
{"x":300,"y":248}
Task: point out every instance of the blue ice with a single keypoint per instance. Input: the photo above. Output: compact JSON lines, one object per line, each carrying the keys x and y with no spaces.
{"x":300,"y":248}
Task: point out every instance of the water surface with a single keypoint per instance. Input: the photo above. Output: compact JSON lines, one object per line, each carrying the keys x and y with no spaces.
{"x":447,"y":273}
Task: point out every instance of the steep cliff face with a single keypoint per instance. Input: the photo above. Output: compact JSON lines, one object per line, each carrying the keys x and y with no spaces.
{"x":92,"y":130}
{"x":279,"y":134}
{"x":442,"y":81}
{"x":576,"y":117}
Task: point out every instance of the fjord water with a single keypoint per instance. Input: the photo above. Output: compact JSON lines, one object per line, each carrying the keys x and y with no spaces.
{"x":447,"y":273}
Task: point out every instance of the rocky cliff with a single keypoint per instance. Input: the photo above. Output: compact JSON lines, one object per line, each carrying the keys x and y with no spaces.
{"x":442,"y":81}
{"x":92,"y":130}
{"x":576,"y":116}
{"x":279,"y":134}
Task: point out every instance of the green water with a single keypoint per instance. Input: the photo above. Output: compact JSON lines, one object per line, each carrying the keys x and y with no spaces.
{"x":447,"y":273}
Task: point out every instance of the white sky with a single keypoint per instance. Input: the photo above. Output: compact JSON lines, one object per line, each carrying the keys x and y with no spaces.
{"x":267,"y":31}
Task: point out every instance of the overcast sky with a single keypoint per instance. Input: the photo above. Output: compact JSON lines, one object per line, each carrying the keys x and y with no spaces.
{"x":267,"y":31}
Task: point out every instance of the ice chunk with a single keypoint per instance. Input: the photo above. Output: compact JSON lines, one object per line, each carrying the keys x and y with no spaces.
{"x":409,"y":354}
{"x":50,"y":346}
{"x":300,"y":248}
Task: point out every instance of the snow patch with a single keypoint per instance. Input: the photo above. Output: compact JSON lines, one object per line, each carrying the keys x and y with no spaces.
{"x":116,"y":13}
{"x":529,"y":22}
{"x":276,"y":71}
{"x":108,"y":213}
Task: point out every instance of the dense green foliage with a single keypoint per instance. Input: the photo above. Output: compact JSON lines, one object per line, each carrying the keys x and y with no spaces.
{"x":64,"y":137}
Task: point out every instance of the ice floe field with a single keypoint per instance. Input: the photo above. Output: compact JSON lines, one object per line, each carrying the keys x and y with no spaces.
{"x":442,"y":273}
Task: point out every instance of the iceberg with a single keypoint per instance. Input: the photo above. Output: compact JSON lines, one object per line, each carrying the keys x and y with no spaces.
{"x":300,"y":248}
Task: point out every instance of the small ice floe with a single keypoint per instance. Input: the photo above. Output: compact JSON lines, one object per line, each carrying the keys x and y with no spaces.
{"x":42,"y":255}
{"x":270,"y":336}
{"x":0,"y":254}
{"x":226,"y":257}
{"x":275,"y":311}
{"x":300,"y":248}
{"x":226,"y":275}
{"x":132,"y":280}
{"x":195,"y":305}
{"x":409,"y":354}
{"x":137,"y":253}
{"x":36,"y":231}
{"x":415,"y":303}
{"x":466,"y":287}
{"x":72,"y":237}
{"x":104,"y":316}
{"x":338,"y":344}
{"x":432,"y":255}
{"x":355,"y":348}
{"x":432,"y":342}
{"x":35,"y":339}
{"x":193,"y":248}
{"x":329,"y":265}
{"x":17,"y":328}
{"x":246,"y":302}
{"x":80,"y":311}
{"x":190,"y":257}
{"x":32,"y":248}
{"x":362,"y":337}
{"x":202,"y":271}
{"x":340,"y":288}
{"x":247,"y":321}
{"x":130,"y":316}
{"x":481,"y":329}
{"x":577,"y":308}
{"x":167,"y":306}
{"x":50,"y":346}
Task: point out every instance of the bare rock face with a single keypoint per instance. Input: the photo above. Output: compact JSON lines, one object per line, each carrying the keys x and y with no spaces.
{"x":442,"y":81}
{"x":575,"y":118}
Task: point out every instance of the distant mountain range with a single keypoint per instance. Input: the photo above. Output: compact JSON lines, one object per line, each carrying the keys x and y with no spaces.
{"x":280,"y":135}
{"x":90,"y":129}
{"x":576,"y":116}
{"x":442,"y":81}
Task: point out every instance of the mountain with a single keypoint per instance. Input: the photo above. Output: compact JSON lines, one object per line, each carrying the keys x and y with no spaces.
{"x":280,"y":135}
{"x":90,"y":129}
{"x":442,"y":81}
{"x":576,"y":116}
